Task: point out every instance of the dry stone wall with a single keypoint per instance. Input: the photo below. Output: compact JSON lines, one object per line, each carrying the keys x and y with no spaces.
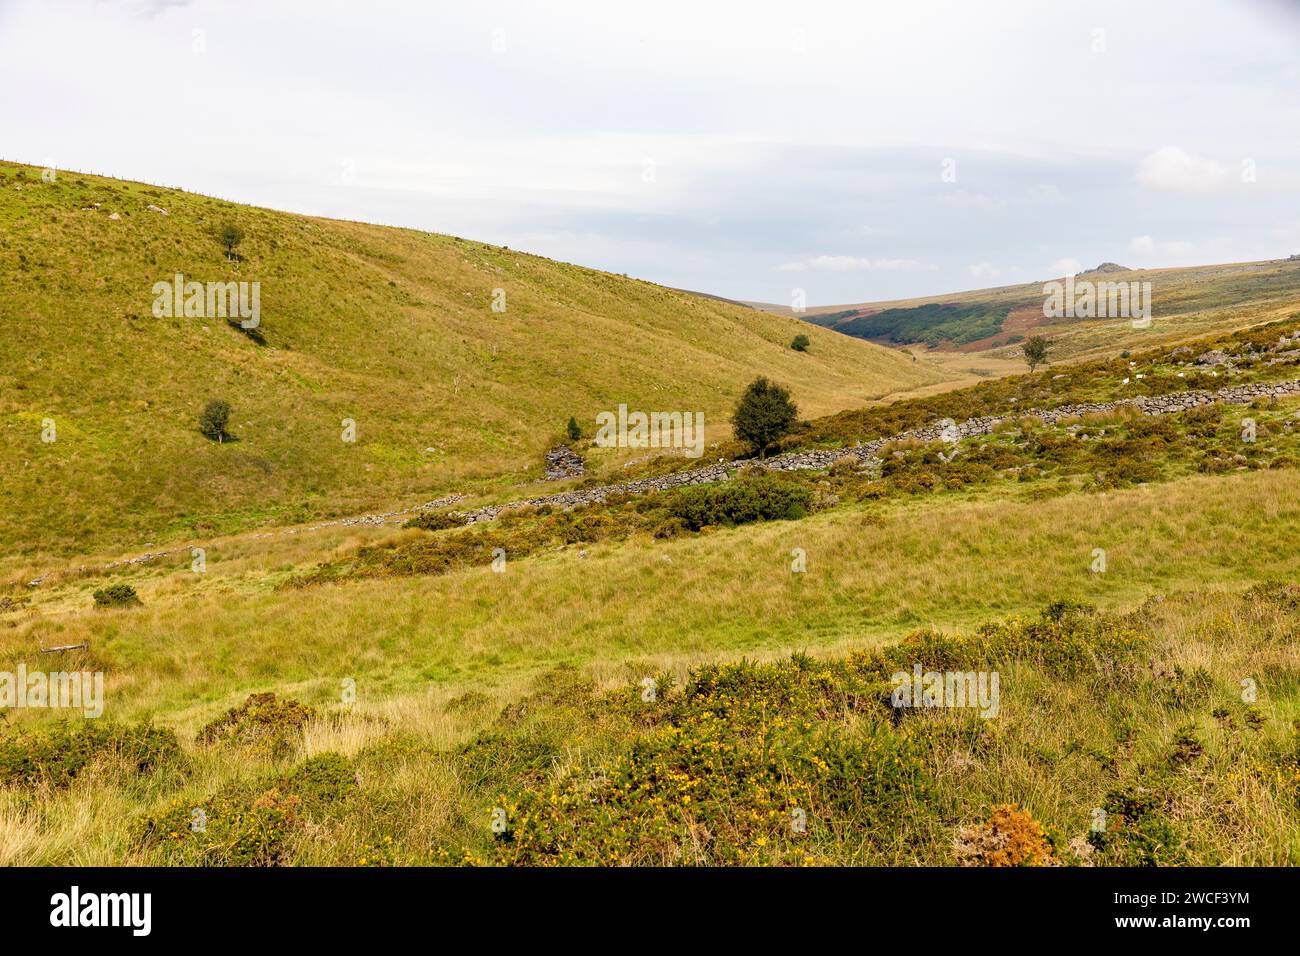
{"x":866,"y":454}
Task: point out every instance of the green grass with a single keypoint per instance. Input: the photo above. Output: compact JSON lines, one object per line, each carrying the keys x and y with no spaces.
{"x":418,"y":705}
{"x":392,"y":328}
{"x":1139,"y":714}
{"x":872,"y":571}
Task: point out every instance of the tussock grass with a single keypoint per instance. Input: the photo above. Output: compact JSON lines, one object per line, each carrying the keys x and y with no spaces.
{"x":1097,"y":711}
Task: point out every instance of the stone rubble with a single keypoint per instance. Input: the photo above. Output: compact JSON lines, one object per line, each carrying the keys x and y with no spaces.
{"x":563,"y":462}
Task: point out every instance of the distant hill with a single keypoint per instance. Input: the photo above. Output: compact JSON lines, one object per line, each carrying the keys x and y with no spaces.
{"x":1186,"y":302}
{"x":392,"y":329}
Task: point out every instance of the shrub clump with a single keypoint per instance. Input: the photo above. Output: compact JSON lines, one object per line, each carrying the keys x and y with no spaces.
{"x":54,"y":756}
{"x":1009,"y":837}
{"x":1138,"y":831}
{"x":116,"y":595}
{"x":262,"y":720}
{"x":249,"y":826}
{"x":750,"y":497}
{"x":214,"y":419}
{"x":435,"y":521}
{"x":747,"y":763}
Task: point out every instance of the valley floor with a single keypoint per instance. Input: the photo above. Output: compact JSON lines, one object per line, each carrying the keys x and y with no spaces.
{"x":624,"y":688}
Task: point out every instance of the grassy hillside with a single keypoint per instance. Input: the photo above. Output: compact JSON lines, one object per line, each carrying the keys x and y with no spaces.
{"x":1185,"y":302}
{"x":391,"y":328}
{"x":418,"y":703}
{"x":694,"y":674}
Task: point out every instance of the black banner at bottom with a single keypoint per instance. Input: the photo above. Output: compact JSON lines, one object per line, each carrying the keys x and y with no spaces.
{"x":337,"y":905}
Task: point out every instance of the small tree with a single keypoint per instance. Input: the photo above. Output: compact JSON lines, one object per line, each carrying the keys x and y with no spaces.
{"x":800,"y":343}
{"x":213,"y":421}
{"x":574,"y":430}
{"x":763,"y":415}
{"x":1035,"y":350}
{"x":231,"y":236}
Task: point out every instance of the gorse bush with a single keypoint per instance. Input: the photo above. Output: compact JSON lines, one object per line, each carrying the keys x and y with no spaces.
{"x":1137,"y":830}
{"x":116,"y":595}
{"x":55,"y":755}
{"x":435,"y":521}
{"x":750,"y":497}
{"x":782,"y":762}
{"x":806,"y":761}
{"x":264,"y":720}
{"x":250,"y":824}
{"x":728,"y":771}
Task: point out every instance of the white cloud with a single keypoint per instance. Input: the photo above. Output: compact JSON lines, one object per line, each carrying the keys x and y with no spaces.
{"x":746,"y":150}
{"x":1045,"y":193}
{"x":1065,"y":267}
{"x":1148,"y":246}
{"x":853,"y":264}
{"x":1288,"y":232}
{"x":977,"y":201}
{"x":984,"y":270}
{"x":1172,"y":169}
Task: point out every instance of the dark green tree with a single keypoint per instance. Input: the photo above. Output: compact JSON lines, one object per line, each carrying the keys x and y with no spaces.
{"x":574,"y":430}
{"x":801,"y":343}
{"x":231,"y":236}
{"x":763,"y":415}
{"x":213,"y":420}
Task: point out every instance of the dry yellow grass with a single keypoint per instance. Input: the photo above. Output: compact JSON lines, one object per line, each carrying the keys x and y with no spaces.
{"x":199,"y":647}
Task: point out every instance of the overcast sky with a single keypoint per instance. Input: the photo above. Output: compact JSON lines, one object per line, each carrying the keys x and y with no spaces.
{"x":857,"y":150}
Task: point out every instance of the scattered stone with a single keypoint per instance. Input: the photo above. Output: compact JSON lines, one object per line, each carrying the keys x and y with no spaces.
{"x":563,"y":462}
{"x":159,"y":209}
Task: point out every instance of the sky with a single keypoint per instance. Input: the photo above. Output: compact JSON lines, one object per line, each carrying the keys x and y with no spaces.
{"x":856,"y":151}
